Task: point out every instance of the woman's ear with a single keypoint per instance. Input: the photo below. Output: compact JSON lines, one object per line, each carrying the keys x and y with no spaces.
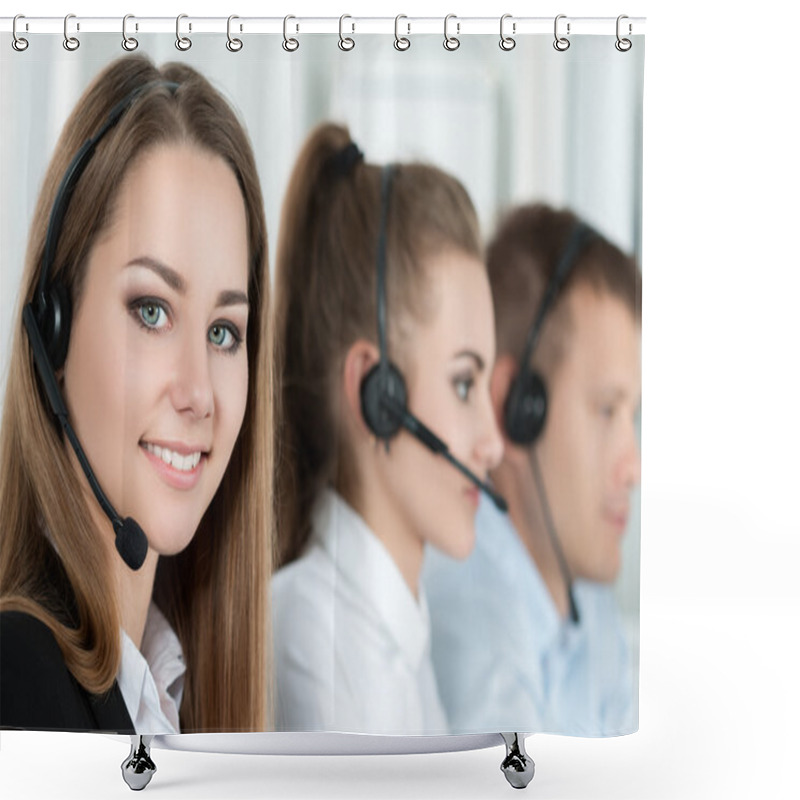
{"x":503,"y":374}
{"x":360,"y":358}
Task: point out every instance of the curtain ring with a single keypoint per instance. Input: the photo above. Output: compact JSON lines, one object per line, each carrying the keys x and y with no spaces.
{"x":289,"y":44}
{"x":129,"y":43}
{"x":346,"y":43}
{"x":451,"y":43}
{"x":507,"y":42}
{"x":401,"y":43}
{"x":182,"y":42}
{"x":18,"y":42}
{"x":623,"y":45}
{"x":233,"y":44}
{"x":70,"y":42}
{"x":561,"y":43}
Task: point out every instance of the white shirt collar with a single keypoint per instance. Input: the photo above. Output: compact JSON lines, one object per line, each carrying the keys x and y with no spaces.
{"x":151,"y":680}
{"x":364,"y":562}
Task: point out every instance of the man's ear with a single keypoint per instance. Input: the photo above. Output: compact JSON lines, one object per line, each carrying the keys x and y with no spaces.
{"x":360,"y":358}
{"x":503,"y":374}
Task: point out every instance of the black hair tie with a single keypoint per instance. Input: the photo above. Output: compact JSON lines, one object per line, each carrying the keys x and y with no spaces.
{"x":343,"y":162}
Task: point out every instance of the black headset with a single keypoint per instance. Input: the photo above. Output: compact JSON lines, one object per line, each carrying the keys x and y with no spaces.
{"x":384,"y":399}
{"x":48,"y":318}
{"x":525,"y":409}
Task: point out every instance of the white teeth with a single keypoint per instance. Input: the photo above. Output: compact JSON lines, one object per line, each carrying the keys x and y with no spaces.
{"x":175,"y":460}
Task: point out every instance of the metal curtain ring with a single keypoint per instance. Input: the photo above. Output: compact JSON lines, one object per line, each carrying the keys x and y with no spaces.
{"x":507,"y":42}
{"x":623,"y":45}
{"x":18,"y":42}
{"x":233,"y":44}
{"x":401,"y":42}
{"x":129,"y":43}
{"x":346,"y":43}
{"x":561,"y":43}
{"x":451,"y":42}
{"x":289,"y":45}
{"x":70,"y":42}
{"x":182,"y":42}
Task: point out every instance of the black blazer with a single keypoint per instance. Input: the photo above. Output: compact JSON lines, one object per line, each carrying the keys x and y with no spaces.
{"x":38,"y":692}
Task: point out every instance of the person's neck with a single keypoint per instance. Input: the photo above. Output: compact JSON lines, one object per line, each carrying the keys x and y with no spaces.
{"x":394,"y":531}
{"x":525,"y":512}
{"x":134,"y":593}
{"x":134,"y":588}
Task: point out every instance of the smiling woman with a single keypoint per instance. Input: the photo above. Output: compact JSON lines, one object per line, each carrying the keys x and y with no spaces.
{"x":155,"y":292}
{"x":150,"y":257}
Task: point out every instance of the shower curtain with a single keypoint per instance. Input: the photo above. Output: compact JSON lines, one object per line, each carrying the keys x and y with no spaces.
{"x":521,"y":119}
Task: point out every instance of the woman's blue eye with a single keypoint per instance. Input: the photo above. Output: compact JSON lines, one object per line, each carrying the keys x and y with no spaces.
{"x":152,"y":314}
{"x":224,"y":337}
{"x":463,"y":386}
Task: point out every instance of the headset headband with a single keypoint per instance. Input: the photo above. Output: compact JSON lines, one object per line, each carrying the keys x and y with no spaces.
{"x":72,"y":176}
{"x":387,"y":177}
{"x":580,"y":235}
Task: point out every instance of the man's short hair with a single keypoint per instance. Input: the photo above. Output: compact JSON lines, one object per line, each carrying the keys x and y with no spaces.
{"x":521,"y":260}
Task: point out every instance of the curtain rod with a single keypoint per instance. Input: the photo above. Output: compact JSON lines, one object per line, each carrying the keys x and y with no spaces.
{"x":406,"y":25}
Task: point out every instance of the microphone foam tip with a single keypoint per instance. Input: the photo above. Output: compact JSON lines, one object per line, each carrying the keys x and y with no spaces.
{"x":131,"y":543}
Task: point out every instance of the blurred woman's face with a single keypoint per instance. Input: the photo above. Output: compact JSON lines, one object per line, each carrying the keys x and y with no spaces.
{"x":156,"y":374}
{"x":447,"y":361}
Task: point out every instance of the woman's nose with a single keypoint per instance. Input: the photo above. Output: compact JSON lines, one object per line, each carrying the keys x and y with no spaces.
{"x":489,"y":448}
{"x":192,"y":390}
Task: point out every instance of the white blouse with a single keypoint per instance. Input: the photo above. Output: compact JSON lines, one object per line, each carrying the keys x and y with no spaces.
{"x":352,"y":644}
{"x":151,"y":681}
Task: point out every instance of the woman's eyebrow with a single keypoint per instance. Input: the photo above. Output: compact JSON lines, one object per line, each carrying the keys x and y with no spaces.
{"x":476,"y":357}
{"x":228,"y":297}
{"x":167,"y":274}
{"x":232,"y":297}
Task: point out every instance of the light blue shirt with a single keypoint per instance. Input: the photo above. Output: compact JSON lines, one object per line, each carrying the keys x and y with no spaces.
{"x":504,"y":659}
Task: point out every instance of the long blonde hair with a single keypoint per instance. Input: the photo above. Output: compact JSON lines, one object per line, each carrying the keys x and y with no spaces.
{"x":52,"y":565}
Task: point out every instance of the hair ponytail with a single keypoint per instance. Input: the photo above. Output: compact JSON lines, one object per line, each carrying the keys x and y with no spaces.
{"x":325,"y":299}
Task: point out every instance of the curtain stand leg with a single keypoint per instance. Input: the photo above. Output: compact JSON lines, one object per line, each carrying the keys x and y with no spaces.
{"x":518,"y":766}
{"x":138,"y":768}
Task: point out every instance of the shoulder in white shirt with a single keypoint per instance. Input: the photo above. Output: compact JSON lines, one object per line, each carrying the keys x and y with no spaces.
{"x":352,"y":644}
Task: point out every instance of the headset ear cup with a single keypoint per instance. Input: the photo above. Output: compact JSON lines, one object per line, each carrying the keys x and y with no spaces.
{"x":382,"y":381}
{"x":55,"y":324}
{"x":526,"y":408}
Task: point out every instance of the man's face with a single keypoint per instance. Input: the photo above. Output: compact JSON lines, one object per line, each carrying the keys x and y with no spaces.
{"x":588,"y":452}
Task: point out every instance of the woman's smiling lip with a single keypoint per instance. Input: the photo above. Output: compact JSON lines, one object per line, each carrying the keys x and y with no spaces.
{"x":178,"y":464}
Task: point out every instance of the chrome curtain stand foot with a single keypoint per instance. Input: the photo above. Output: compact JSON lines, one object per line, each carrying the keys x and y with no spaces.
{"x":138,"y":768}
{"x":518,"y":766}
